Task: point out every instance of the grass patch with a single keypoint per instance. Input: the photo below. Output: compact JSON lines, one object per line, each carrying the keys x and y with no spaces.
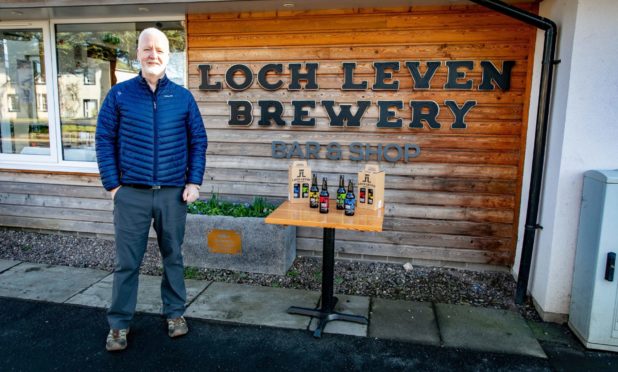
{"x":191,"y":272}
{"x":293,"y":273}
{"x":317,"y":276}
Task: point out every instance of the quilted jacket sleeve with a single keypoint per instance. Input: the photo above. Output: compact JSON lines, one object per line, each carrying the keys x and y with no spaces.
{"x":198,"y":142}
{"x":106,"y":142}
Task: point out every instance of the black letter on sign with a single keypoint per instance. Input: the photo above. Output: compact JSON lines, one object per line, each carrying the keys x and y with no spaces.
{"x":406,"y":151}
{"x":310,"y":76}
{"x":205,"y":85}
{"x":276,"y":67}
{"x":313,"y":150}
{"x":382,"y":75}
{"x":240,"y":113}
{"x":299,"y":112}
{"x":454,"y":75}
{"x":333,"y":151}
{"x":387,"y":150}
{"x":356,"y":151}
{"x":345,"y":114}
{"x":386,"y":114}
{"x":418,"y":115}
{"x":460,"y":113}
{"x":490,"y":72}
{"x":268,"y":115}
{"x":348,"y":78}
{"x":245,"y":71}
{"x":422,"y":81}
{"x":279,"y":149}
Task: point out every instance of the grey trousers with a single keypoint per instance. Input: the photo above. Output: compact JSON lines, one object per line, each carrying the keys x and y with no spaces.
{"x":134,"y":210}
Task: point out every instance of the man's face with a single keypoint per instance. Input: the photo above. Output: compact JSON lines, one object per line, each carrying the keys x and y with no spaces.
{"x":153,"y":54}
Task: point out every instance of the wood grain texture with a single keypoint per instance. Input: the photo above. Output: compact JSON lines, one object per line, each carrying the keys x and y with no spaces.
{"x":459,"y":199}
{"x":457,"y":202}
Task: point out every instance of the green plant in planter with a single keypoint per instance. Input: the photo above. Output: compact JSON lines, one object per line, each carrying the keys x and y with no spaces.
{"x":217,"y":207}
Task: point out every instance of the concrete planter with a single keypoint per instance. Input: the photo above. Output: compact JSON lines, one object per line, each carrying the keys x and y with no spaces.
{"x":238,"y":243}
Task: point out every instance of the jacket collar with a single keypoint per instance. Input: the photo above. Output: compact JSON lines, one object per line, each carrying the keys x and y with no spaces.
{"x":160,"y":84}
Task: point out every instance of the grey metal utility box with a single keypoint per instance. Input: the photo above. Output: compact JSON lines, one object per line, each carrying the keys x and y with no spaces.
{"x":594,"y":296}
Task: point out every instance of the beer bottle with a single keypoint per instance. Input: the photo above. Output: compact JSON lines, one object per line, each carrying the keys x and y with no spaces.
{"x":324,"y":202}
{"x":341,"y":193}
{"x":314,"y":193}
{"x":350,"y":200}
{"x":296,"y":190}
{"x":305,"y":190}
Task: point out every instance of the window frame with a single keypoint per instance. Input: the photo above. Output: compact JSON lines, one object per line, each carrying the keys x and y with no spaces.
{"x":20,"y":161}
{"x":54,"y":162}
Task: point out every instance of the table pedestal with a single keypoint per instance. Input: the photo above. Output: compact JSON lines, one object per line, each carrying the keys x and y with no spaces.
{"x":325,"y":312}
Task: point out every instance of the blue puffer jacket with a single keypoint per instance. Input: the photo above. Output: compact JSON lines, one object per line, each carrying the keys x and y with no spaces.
{"x":150,"y":138}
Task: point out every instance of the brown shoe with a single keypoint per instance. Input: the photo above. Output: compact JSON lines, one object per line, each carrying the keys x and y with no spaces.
{"x":117,"y":339}
{"x":177,"y":327}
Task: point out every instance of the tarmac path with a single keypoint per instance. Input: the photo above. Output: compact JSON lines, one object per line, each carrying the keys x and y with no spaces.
{"x":42,"y":336}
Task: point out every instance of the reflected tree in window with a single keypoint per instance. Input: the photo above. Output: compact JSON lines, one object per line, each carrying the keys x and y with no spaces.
{"x":91,"y":59}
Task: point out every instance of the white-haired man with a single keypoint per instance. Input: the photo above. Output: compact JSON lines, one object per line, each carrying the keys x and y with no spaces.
{"x":151,"y":152}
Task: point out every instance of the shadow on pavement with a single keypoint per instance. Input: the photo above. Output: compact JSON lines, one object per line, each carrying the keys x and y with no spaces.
{"x":40,"y":336}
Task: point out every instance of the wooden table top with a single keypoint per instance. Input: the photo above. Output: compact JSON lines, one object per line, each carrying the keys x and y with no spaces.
{"x":301,"y":215}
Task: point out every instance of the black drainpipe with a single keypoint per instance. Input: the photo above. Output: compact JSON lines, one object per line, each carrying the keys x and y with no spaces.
{"x":540,"y":140}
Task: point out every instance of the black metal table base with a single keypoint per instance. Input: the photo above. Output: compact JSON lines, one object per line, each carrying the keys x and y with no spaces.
{"x":326,"y":316}
{"x":325,"y":312}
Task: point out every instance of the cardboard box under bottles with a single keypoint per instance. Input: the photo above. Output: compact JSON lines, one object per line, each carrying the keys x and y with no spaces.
{"x":299,"y":181}
{"x":370,"y":187}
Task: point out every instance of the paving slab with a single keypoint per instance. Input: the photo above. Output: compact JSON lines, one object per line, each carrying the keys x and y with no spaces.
{"x":47,"y":282}
{"x":486,"y":329}
{"x":148,"y":293}
{"x":356,"y":305}
{"x":7,"y":264}
{"x":404,"y":321}
{"x":247,"y":304}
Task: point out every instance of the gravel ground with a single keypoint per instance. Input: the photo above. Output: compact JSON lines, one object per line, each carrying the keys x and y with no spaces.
{"x":384,"y":280}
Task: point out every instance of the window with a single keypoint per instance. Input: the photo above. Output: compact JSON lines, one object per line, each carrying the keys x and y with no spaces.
{"x":13,"y":102}
{"x":24,"y":128}
{"x":48,"y":119}
{"x":41,"y":102}
{"x":90,"y":108}
{"x":91,"y":59}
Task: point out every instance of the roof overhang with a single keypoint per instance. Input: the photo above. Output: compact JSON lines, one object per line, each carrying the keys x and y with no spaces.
{"x":11,"y":10}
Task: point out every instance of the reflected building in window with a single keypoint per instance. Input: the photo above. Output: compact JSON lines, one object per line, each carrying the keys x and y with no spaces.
{"x":24,"y":125}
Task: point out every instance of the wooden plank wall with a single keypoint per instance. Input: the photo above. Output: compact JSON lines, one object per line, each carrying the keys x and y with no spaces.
{"x":64,"y":202}
{"x":456,"y":204}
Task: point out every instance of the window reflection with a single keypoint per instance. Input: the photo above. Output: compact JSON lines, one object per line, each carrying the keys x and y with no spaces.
{"x":91,"y":59}
{"x":24,"y":125}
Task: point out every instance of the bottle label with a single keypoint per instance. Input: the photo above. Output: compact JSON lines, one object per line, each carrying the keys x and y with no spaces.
{"x":296,"y":191}
{"x":340,"y":200}
{"x":370,"y":196}
{"x":313,"y":200}
{"x":324,"y":204}
{"x":362,"y":195}
{"x":305,"y":190}
{"x":350,"y":207}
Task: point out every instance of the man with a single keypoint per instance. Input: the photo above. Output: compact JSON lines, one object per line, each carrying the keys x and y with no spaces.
{"x":151,"y":151}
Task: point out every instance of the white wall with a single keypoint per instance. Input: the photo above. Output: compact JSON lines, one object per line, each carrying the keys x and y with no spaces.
{"x":583,"y":135}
